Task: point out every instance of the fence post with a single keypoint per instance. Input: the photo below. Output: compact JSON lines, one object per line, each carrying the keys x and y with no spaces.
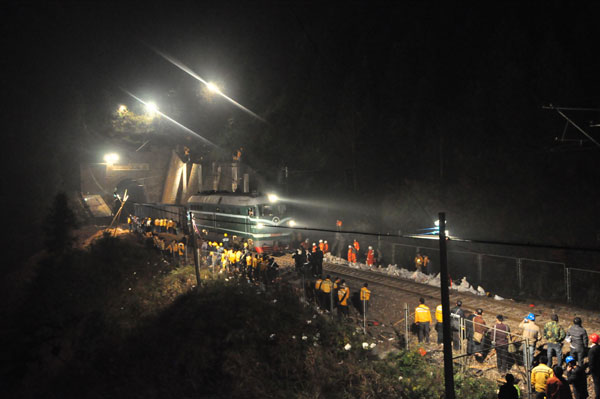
{"x":364,"y":303}
{"x":568,"y":284}
{"x":406,"y":324}
{"x":527,"y":366}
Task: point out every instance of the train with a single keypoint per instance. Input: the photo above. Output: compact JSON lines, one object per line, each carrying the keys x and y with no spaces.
{"x":261,"y":220}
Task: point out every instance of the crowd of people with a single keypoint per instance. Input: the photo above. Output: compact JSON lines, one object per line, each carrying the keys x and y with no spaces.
{"x":238,"y":260}
{"x":549,"y":380}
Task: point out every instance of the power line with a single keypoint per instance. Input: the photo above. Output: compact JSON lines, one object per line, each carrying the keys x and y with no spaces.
{"x":386,"y":235}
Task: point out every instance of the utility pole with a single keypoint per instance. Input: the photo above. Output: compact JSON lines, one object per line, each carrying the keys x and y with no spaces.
{"x":448,"y":366}
{"x":195,"y":246}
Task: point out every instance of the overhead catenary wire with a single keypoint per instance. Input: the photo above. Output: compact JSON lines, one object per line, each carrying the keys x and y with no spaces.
{"x":392,"y":235}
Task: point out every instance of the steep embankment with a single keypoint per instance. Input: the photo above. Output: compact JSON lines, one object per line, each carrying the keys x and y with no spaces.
{"x":116,"y":320}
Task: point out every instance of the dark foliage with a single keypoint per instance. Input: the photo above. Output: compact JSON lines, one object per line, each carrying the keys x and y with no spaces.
{"x":59,"y":226}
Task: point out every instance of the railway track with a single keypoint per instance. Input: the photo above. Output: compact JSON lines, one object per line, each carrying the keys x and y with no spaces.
{"x":399,"y":291}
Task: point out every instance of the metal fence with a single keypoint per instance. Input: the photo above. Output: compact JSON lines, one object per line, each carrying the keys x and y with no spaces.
{"x":510,"y":277}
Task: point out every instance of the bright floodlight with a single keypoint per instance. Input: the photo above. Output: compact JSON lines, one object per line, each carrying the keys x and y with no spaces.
{"x":213,"y":87}
{"x":111,"y":158}
{"x":272,"y":198}
{"x":437,"y":223}
{"x":122,"y":109}
{"x":151,"y":107}
{"x":292,"y":223}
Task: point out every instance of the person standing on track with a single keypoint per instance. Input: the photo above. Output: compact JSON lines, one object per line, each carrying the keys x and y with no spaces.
{"x":422,"y":320}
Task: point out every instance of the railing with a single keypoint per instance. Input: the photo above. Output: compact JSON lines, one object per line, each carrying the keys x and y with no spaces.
{"x":507,"y":276}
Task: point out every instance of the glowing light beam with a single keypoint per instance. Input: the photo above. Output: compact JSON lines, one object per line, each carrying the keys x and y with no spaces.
{"x":170,"y":119}
{"x":209,"y":85}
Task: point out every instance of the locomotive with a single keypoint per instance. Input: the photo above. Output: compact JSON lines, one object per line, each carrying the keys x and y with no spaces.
{"x":258,"y":219}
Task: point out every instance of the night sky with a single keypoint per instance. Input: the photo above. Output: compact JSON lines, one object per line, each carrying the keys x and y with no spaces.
{"x":406,"y":108}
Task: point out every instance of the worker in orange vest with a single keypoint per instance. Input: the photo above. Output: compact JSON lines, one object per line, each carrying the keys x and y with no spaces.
{"x":314,"y":248}
{"x":370,"y":256}
{"x":426,"y":262}
{"x":351,"y":254}
{"x":321,"y":245}
{"x":356,"y":245}
{"x":325,"y":247}
{"x":418,"y":261}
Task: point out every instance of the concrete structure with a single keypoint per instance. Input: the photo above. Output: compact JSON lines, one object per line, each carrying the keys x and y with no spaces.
{"x":160,"y":176}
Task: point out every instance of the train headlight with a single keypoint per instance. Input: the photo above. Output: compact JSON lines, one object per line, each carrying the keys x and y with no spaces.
{"x":259,"y":226}
{"x":291,"y":223}
{"x":272,"y":198}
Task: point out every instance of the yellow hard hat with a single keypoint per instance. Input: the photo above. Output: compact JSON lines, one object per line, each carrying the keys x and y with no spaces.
{"x":225,"y":235}
{"x":220,"y":244}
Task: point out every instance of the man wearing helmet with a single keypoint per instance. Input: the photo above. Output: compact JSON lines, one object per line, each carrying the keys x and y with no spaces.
{"x":594,"y":363}
{"x":577,"y":378}
{"x":531,"y":332}
{"x":578,"y":339}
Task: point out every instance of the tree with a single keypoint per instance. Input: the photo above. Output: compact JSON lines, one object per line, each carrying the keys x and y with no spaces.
{"x":59,"y":225}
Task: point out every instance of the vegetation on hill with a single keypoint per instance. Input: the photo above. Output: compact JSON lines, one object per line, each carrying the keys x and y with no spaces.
{"x":116,"y":320}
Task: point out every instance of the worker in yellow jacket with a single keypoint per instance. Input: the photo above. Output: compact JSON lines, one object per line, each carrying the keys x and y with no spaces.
{"x":326,"y":289}
{"x":439,"y":327}
{"x":422,"y":320}
{"x":365,"y":297}
{"x":343,"y":294}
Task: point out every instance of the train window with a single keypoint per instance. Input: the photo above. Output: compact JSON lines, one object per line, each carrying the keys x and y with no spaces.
{"x":250,"y":211}
{"x":272,"y":210}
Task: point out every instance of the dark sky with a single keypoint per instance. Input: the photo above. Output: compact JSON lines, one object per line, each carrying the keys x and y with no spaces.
{"x":377,"y":100}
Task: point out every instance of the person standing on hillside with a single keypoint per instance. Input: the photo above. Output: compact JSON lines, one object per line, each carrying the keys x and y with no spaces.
{"x":594,"y":364}
{"x":439,"y":326}
{"x":479,"y":331}
{"x":500,"y":341}
{"x":508,"y":390}
{"x":554,"y":334}
{"x":578,"y":340}
{"x":576,"y":377}
{"x":531,"y":332}
{"x":423,"y":320}
{"x":456,"y":316}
